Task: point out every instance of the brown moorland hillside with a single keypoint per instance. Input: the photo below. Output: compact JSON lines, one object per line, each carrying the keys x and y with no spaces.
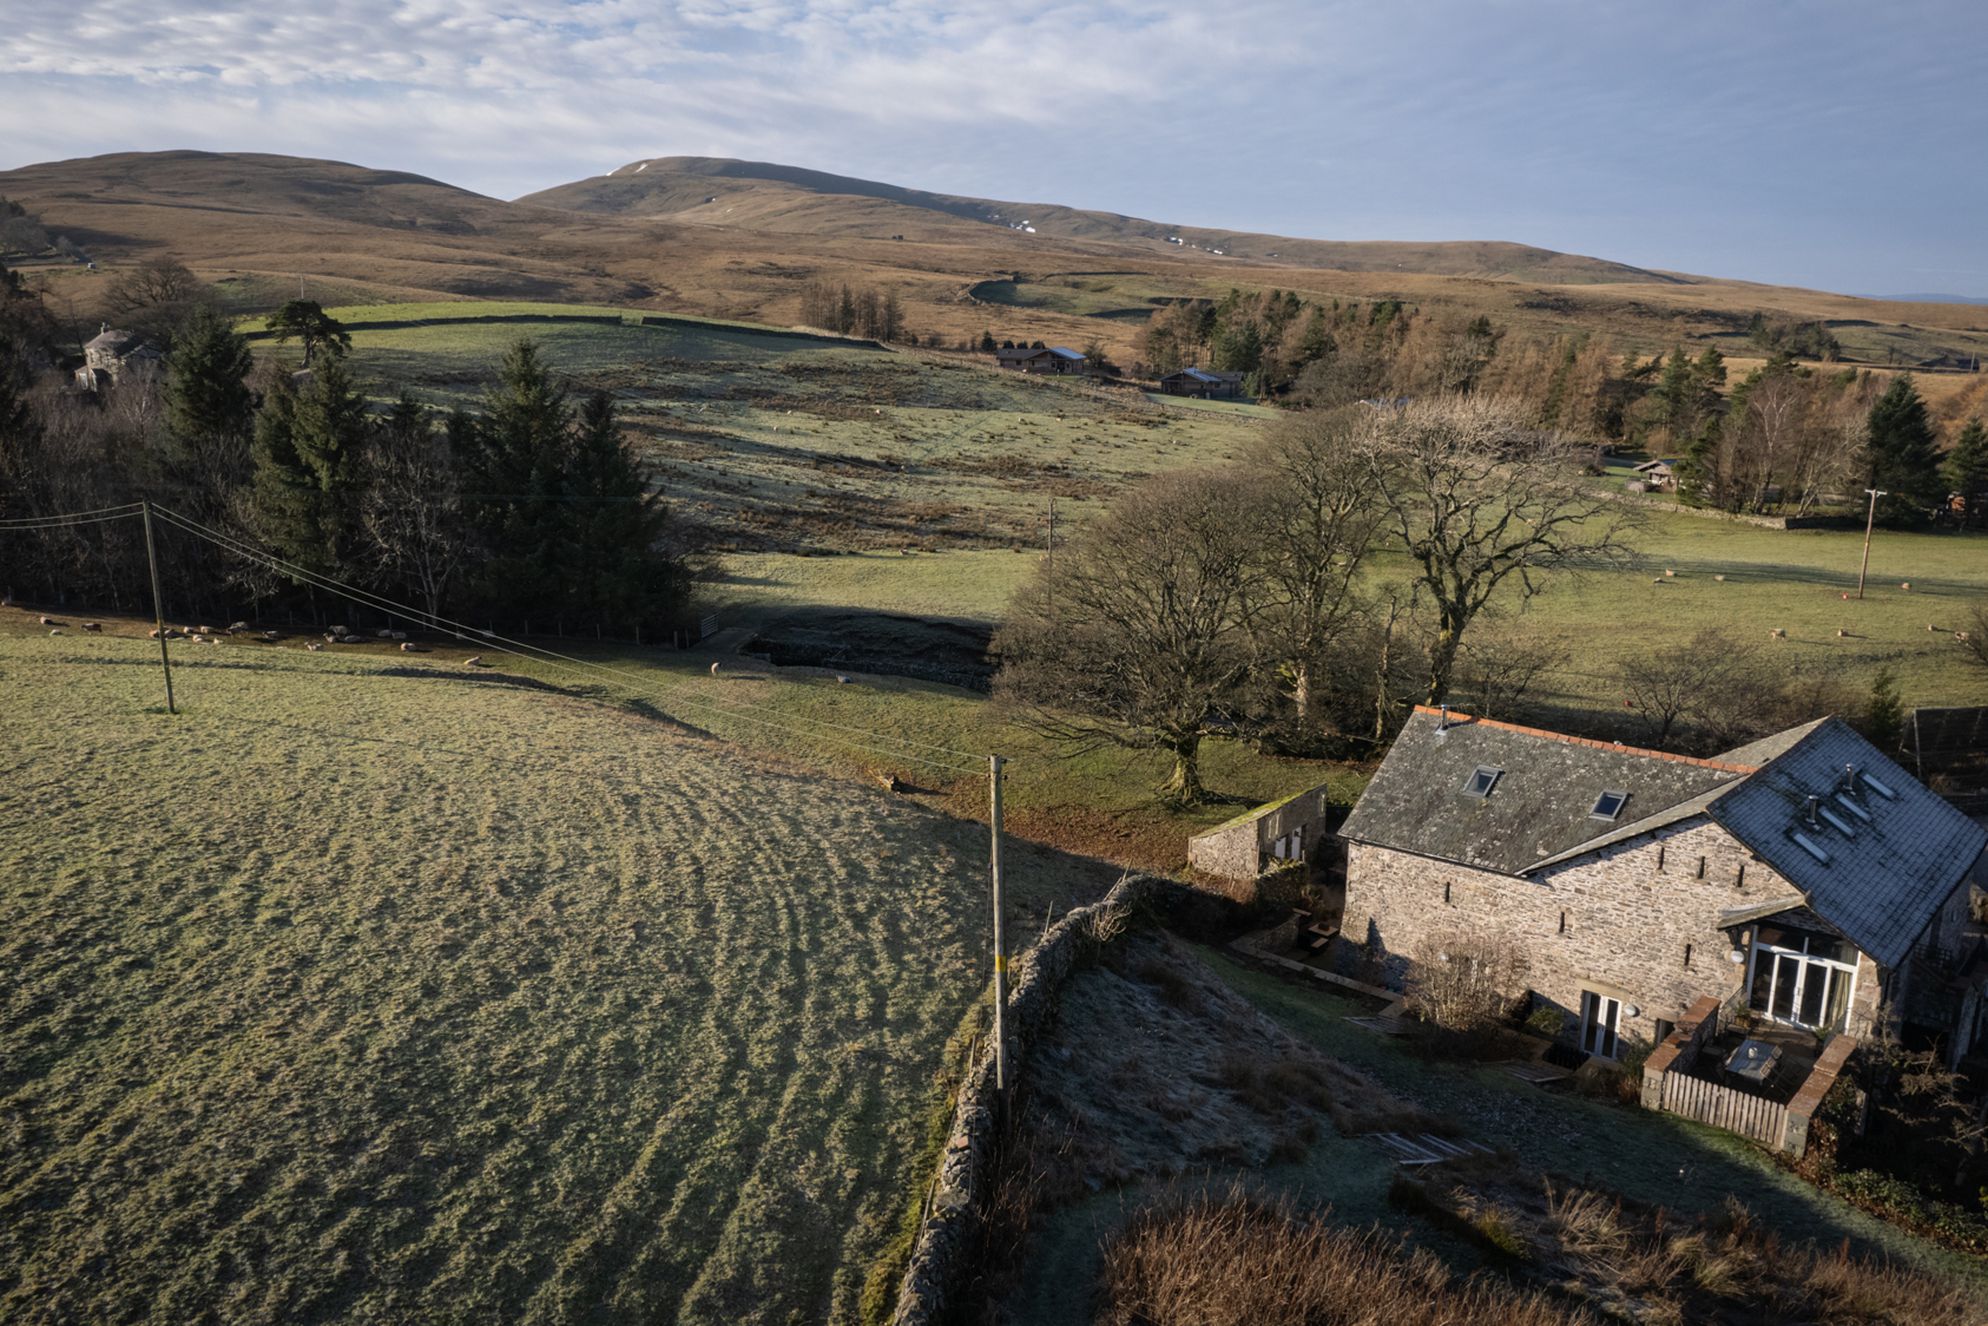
{"x":651,"y":235}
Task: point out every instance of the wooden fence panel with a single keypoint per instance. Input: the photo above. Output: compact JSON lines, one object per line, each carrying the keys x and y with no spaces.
{"x":1701,"y":1101}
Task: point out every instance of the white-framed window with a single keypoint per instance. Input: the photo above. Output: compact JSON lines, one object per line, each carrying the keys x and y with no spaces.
{"x":1291,"y":847}
{"x":1801,"y":977}
{"x":1601,"y":1021}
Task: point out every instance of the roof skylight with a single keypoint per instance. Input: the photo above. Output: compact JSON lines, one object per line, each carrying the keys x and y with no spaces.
{"x":1609,"y":805}
{"x":1878,"y":787}
{"x":1482,"y":780}
{"x":1813,"y":848}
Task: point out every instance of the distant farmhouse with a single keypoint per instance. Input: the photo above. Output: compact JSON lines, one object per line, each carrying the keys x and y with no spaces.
{"x":113,"y":355}
{"x":1204,"y":383}
{"x":1803,"y":882}
{"x":1052,"y":359}
{"x":1658,"y":475}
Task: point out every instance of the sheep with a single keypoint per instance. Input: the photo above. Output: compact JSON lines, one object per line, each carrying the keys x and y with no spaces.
{"x":1777,"y":634}
{"x":1669,"y":572}
{"x":1720,"y":579}
{"x":237,"y":626}
{"x":384,"y":633}
{"x":203,"y":630}
{"x":314,"y":646}
{"x":337,"y":631}
{"x":1905,"y":584}
{"x":94,"y":628}
{"x":50,"y":621}
{"x":473,"y":661}
{"x":398,"y":635}
{"x":55,"y":630}
{"x":1842,"y":634}
{"x":715,"y":665}
{"x":271,"y":636}
{"x":409,"y":647}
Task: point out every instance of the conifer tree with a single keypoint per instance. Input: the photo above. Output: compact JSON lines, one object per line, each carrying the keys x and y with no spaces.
{"x":1903,"y":459}
{"x":330,"y":433}
{"x":617,"y":572}
{"x":1966,"y":471}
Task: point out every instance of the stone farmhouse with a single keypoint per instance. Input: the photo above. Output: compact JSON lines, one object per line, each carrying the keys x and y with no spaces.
{"x":1055,"y":359}
{"x":1804,"y":879}
{"x":111,"y":355}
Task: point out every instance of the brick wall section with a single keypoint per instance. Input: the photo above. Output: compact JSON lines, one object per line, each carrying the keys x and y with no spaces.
{"x":1808,"y":1099}
{"x":1617,"y":922}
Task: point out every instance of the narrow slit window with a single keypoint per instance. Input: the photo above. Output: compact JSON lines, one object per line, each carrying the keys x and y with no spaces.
{"x":1482,"y":780}
{"x":1608,"y":805}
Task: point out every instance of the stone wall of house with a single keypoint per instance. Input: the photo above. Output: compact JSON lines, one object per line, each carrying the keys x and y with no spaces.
{"x":1637,"y":921}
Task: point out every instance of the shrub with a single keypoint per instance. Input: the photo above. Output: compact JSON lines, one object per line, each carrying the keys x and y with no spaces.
{"x":1464,"y":982}
{"x":1241,"y":1260}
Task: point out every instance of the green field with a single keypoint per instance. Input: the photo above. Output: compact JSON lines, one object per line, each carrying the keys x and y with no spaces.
{"x":369,"y":991}
{"x":779,"y":441}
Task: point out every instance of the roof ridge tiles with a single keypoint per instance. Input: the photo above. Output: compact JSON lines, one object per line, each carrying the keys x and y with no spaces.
{"x":1455,"y":716}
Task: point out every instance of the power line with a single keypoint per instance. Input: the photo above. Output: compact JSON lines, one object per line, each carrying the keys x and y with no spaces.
{"x":894,"y":746}
{"x":67,"y":520}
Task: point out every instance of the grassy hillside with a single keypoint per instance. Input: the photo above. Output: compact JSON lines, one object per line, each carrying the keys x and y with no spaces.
{"x":798,"y":443}
{"x":361,"y":992}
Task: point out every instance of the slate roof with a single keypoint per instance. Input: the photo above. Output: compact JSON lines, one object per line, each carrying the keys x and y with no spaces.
{"x":1209,"y":376}
{"x":1540,"y":805}
{"x":1883,"y":881}
{"x":1881,"y":885}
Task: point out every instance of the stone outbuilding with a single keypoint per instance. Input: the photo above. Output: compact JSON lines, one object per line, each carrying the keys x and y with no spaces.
{"x":1293,"y":829}
{"x":1804,"y":879}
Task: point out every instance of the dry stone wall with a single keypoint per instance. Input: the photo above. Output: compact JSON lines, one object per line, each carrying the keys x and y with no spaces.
{"x":943,"y":1252}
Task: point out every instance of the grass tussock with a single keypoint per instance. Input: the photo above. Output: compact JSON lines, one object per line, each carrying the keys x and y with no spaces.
{"x":1242,"y":1260}
{"x":1645,"y":1264}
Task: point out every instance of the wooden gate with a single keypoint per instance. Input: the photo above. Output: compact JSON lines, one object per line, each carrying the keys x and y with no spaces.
{"x":1701,"y":1101}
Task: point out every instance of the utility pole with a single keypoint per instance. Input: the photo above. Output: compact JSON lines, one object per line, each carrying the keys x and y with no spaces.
{"x":158,"y":606}
{"x":1870,"y":519}
{"x":994,"y":763}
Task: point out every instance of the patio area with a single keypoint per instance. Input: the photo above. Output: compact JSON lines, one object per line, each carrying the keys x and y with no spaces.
{"x":1791,"y":1054}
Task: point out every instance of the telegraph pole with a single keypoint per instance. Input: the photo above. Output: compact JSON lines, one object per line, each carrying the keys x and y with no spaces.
{"x":158,"y":607}
{"x":1870,"y":519}
{"x":994,"y":763}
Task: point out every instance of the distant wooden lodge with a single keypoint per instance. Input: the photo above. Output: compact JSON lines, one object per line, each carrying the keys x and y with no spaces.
{"x":1049,"y":359}
{"x":1204,"y":383}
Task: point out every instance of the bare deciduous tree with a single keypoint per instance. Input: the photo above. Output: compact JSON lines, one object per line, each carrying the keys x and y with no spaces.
{"x":1485,"y":507}
{"x":412,"y":511}
{"x":1497,"y":669}
{"x":1312,"y":518}
{"x":1136,"y":635}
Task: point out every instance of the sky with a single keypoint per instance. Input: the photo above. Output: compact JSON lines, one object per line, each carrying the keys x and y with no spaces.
{"x":1820,"y":143}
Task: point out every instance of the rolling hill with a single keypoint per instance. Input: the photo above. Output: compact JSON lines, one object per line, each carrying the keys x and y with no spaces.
{"x":739,"y":240}
{"x":765,"y":196}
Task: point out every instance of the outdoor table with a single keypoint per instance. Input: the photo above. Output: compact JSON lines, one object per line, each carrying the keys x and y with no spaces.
{"x":1753,"y":1060}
